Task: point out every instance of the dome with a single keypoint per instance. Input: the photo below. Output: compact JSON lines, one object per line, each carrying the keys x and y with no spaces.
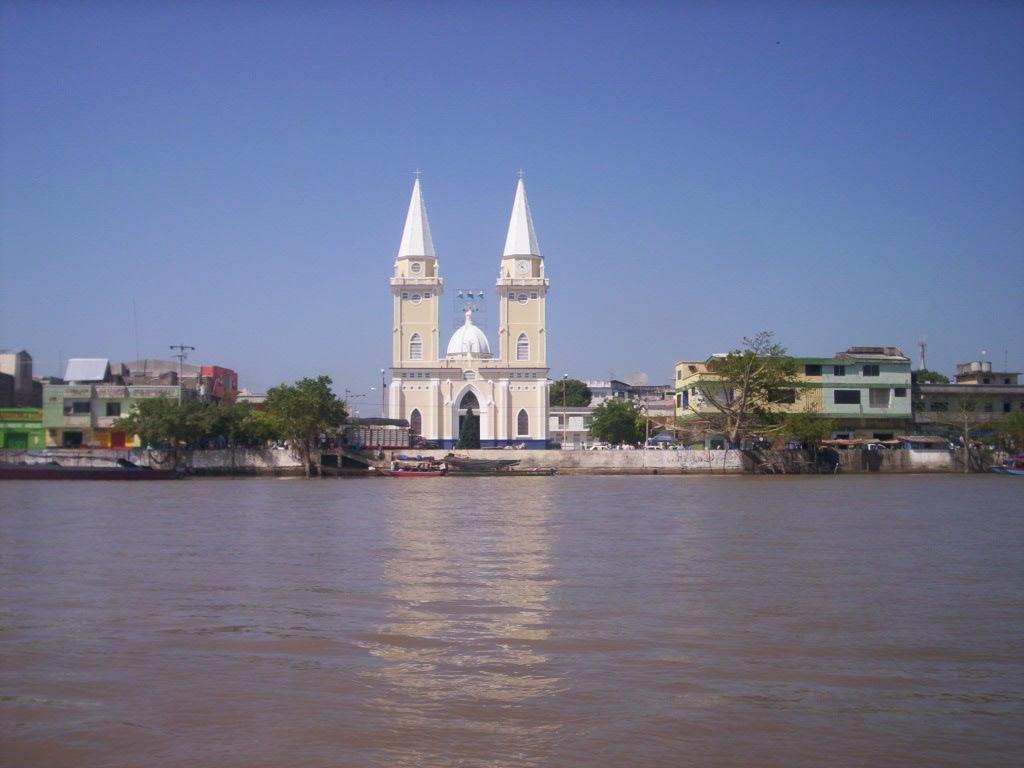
{"x":469,"y":340}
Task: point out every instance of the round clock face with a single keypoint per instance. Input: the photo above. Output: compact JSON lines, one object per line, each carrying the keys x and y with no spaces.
{"x":523,"y":267}
{"x":416,"y":267}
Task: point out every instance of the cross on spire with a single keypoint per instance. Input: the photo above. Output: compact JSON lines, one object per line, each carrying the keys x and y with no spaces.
{"x":417,"y":173}
{"x":521,"y":173}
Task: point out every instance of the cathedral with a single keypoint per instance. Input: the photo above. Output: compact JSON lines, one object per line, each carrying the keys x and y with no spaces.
{"x":436,"y":385}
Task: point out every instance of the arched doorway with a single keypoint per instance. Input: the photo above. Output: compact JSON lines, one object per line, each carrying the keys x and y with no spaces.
{"x":469,"y":421}
{"x":415,"y":422}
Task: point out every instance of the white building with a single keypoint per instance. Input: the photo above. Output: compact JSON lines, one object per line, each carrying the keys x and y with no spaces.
{"x":434,"y":385}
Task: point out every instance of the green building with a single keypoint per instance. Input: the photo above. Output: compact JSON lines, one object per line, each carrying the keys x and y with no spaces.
{"x":22,"y":428}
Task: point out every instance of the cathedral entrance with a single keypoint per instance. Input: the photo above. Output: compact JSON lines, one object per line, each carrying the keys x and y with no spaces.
{"x":469,"y":421}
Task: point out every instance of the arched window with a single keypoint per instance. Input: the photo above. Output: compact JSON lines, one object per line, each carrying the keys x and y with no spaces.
{"x":415,"y":422}
{"x":523,"y":423}
{"x":523,"y":347}
{"x":415,"y":347}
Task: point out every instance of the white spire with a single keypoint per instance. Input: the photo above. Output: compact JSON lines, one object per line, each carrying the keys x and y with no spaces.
{"x":416,"y":239}
{"x":521,"y":239}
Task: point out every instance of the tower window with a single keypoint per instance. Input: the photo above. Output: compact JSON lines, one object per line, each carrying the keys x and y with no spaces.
{"x":416,"y":298}
{"x":522,"y":347}
{"x":522,"y":298}
{"x":415,"y":347}
{"x":523,"y":423}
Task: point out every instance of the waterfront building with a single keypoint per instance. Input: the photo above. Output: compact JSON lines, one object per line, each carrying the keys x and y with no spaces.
{"x":434,"y":385}
{"x":22,"y":428}
{"x":864,"y":390}
{"x":82,"y":412}
{"x":17,"y":387}
{"x":978,"y":397}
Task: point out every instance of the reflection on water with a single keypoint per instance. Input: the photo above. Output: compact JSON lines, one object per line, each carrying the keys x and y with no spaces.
{"x":563,"y":621}
{"x":468,"y":593}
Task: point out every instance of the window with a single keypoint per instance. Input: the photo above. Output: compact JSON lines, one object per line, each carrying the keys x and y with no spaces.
{"x":522,"y":347}
{"x":405,"y":295}
{"x":416,"y":298}
{"x":838,"y":370}
{"x":1006,"y":381}
{"x":783,"y":396}
{"x":870,"y":370}
{"x":986,"y":381}
{"x":522,"y":298}
{"x":426,"y":295}
{"x":1006,"y":407}
{"x":846,"y":396}
{"x":686,"y":399}
{"x":679,"y":375}
{"x":415,"y":422}
{"x":878,"y":398}
{"x":900,"y":392}
{"x":533,"y":295}
{"x":415,"y":347}
{"x":113,"y":409}
{"x":938,"y":406}
{"x":812,"y":370}
{"x":988,"y":408}
{"x":76,"y":408}
{"x":523,"y":423}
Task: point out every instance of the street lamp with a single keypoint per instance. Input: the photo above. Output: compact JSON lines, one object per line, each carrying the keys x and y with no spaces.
{"x":565,"y":416}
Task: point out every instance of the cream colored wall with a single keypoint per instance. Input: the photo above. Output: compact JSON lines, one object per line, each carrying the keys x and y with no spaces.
{"x":410,"y":318}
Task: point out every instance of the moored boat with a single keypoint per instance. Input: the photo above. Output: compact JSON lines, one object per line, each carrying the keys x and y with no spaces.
{"x":1014,"y":465}
{"x":123,"y":470}
{"x":413,"y":472}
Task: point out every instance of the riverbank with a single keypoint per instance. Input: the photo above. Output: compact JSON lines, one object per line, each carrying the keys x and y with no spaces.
{"x":278,"y":462}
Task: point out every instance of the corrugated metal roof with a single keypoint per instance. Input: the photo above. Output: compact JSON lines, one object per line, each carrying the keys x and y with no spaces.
{"x":86,"y":369}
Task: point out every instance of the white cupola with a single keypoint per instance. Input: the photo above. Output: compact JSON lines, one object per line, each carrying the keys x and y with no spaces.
{"x":469,"y":340}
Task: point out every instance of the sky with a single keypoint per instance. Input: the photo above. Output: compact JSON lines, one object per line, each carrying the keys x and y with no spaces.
{"x":235,"y":176}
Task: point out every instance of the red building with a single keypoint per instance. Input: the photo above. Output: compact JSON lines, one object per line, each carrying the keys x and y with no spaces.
{"x":218,"y":383}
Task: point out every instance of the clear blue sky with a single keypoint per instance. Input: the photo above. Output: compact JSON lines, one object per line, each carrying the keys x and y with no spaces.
{"x":841,"y":173}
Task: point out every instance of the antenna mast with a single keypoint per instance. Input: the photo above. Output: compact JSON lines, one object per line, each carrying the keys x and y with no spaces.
{"x":182,"y":354}
{"x":922,"y":345}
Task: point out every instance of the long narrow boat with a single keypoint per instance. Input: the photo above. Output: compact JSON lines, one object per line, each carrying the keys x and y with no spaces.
{"x":1014,"y":465}
{"x":54,"y":471}
{"x":413,"y":472}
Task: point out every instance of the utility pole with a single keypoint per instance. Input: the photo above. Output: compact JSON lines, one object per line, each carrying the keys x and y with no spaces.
{"x":565,"y":414}
{"x":383,"y":394}
{"x":182,"y":354}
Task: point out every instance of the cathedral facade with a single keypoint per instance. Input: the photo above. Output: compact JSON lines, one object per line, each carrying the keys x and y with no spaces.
{"x":438,"y":382}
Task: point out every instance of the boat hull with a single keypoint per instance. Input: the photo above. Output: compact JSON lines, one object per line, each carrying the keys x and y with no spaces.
{"x":53,"y":472}
{"x":412,"y":473}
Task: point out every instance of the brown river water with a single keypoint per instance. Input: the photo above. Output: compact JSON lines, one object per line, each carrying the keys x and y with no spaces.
{"x":562,"y":621}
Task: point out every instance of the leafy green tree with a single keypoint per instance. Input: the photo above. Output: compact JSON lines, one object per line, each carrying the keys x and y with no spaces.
{"x":617,"y":421}
{"x":746,"y":387}
{"x":259,"y":427}
{"x":157,"y":421}
{"x":469,"y":434}
{"x":304,"y":410}
{"x":572,"y":392}
{"x":1011,"y":427}
{"x":924,"y":376}
{"x":808,"y":427}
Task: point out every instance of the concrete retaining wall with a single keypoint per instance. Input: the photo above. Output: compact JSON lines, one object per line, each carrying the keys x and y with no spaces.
{"x":613,"y":462}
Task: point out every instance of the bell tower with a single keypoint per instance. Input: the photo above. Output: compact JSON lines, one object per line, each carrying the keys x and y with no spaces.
{"x":522,"y":291}
{"x":416,"y":289}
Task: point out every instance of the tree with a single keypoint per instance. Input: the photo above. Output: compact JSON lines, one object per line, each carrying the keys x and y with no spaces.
{"x":304,"y":410}
{"x":157,"y":421}
{"x":924,"y":376}
{"x":745,"y":388}
{"x":808,"y":427}
{"x":469,"y":434}
{"x":617,"y":421}
{"x":571,"y":392}
{"x":963,"y":421}
{"x":1011,"y":427}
